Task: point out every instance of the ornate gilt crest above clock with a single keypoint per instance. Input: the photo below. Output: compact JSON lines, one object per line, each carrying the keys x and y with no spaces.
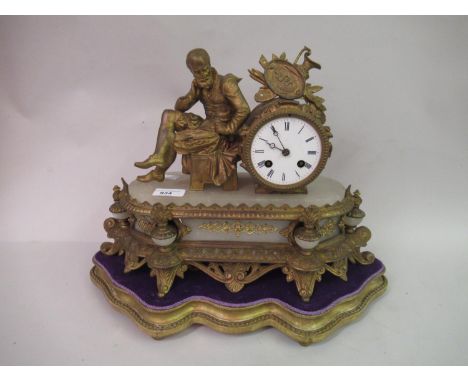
{"x":285,"y":144}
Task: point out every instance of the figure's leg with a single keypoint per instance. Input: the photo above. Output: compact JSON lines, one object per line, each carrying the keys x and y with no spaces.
{"x":164,"y":153}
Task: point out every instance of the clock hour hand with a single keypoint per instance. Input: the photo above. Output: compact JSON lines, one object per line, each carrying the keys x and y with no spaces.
{"x":272,"y":145}
{"x":275,"y":133}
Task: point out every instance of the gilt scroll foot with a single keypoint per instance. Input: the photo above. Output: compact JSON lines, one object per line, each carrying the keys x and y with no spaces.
{"x":305,"y":280}
{"x":165,"y":277}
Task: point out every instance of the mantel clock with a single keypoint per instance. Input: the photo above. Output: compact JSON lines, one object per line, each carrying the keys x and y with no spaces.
{"x":279,"y":245}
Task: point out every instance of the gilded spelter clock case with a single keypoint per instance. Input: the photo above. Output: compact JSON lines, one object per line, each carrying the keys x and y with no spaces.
{"x":286,"y":145}
{"x":279,"y":245}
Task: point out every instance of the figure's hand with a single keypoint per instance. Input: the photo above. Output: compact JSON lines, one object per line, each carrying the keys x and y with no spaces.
{"x":222,"y":128}
{"x":194,"y":121}
{"x":187,"y":101}
{"x":193,"y":88}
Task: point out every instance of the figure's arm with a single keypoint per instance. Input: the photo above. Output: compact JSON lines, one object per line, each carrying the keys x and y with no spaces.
{"x":241,"y":108}
{"x":186,"y":102}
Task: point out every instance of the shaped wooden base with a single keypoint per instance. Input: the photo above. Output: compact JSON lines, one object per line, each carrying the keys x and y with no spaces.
{"x":198,"y":299}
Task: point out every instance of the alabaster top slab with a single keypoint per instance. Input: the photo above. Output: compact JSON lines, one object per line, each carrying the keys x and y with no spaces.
{"x":320,"y":192}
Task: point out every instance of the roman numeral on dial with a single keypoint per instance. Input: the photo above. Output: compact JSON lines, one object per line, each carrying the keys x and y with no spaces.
{"x":261,"y":164}
{"x":311,"y":152}
{"x":286,"y":126}
{"x":309,"y":139}
{"x":259,"y":151}
{"x":270,"y":174}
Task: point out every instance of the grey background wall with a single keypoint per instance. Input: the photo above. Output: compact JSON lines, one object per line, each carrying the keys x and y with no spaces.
{"x":81,"y":98}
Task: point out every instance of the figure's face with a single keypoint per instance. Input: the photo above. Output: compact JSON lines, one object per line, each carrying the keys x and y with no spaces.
{"x":203,"y":75}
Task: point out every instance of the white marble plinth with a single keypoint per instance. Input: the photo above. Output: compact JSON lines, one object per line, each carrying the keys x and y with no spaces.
{"x":321,"y":191}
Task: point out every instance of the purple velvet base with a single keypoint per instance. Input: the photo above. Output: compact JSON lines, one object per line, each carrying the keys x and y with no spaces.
{"x":271,"y":287}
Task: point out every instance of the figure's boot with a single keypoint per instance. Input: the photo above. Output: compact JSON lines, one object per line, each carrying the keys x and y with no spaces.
{"x":157,"y":174}
{"x":152,"y":160}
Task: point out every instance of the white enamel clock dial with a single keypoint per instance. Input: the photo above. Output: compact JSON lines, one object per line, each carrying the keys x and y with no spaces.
{"x":286,"y":151}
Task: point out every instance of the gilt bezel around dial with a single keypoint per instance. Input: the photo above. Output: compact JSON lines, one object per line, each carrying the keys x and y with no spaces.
{"x":286,"y":111}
